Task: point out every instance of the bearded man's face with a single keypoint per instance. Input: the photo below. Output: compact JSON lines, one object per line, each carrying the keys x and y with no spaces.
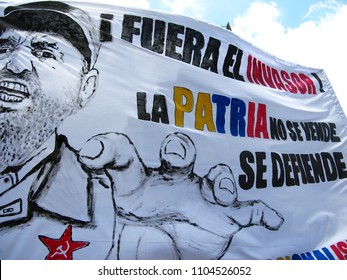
{"x":40,"y":82}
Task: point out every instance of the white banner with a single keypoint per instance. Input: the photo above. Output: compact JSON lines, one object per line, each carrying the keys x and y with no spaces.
{"x":133,"y":134}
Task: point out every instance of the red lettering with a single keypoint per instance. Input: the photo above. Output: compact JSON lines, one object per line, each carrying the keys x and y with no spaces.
{"x":249,"y":69}
{"x":289,"y":86}
{"x":309,"y":83}
{"x":257,"y":74}
{"x":343,"y":248}
{"x":299,"y":84}
{"x":267,"y":75}
{"x":261,"y":124}
{"x":337,"y":252}
{"x":277,"y":79}
{"x":250,"y":121}
{"x":262,"y":74}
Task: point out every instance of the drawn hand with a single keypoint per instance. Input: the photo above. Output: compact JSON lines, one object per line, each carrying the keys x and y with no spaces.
{"x":201,"y":214}
{"x":219,"y":188}
{"x":113,"y":159}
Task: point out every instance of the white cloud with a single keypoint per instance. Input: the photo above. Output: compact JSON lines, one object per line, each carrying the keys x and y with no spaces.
{"x":144,"y":4}
{"x":260,"y":20}
{"x":132,"y":3}
{"x":192,"y":8}
{"x":330,"y":5}
{"x":128,"y":3}
{"x":317,"y":44}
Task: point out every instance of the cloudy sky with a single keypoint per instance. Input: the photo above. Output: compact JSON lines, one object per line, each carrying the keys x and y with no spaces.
{"x":307,"y":32}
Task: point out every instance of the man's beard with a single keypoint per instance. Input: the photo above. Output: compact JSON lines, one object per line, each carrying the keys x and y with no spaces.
{"x":24,"y":131}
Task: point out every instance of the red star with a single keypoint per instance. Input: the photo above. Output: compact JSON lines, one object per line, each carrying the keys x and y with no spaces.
{"x":62,"y":248}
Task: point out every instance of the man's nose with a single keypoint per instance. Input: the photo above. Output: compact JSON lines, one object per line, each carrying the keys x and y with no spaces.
{"x":20,"y":61}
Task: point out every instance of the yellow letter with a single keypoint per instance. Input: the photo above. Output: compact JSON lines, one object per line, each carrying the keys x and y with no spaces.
{"x":182,"y":107}
{"x":203,"y":112}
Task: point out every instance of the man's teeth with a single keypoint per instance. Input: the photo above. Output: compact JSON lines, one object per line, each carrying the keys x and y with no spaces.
{"x":10,"y":98}
{"x":12,"y":86}
{"x":13,"y":91}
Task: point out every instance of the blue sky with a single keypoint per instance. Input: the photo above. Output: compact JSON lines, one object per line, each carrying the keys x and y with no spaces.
{"x":222,"y":11}
{"x":293,"y":12}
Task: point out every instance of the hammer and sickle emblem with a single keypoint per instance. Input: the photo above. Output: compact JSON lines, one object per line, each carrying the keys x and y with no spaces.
{"x":61,"y":251}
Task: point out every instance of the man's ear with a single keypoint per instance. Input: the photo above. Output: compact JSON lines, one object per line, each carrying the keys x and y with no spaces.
{"x":89,"y":85}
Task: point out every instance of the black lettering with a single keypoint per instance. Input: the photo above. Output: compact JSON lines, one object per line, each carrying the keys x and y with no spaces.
{"x":298,"y":131}
{"x":129,"y":29}
{"x":277,"y":170}
{"x":288,"y":170}
{"x":173,"y":41}
{"x":302,"y":169}
{"x":324,"y":132}
{"x":329,"y":166}
{"x":340,"y":165}
{"x":306,"y":130}
{"x":321,"y":89}
{"x":154,"y":42}
{"x":313,"y":131}
{"x":237,"y":66}
{"x":194,"y":42}
{"x":295,"y":168}
{"x":261,"y":169}
{"x":246,"y":180}
{"x":230,"y":61}
{"x":333,"y":137}
{"x":159,"y":111}
{"x":277,"y":129}
{"x":210,"y":60}
{"x":321,"y":136}
{"x":141,"y":106}
{"x":305,"y":161}
{"x":291,"y":130}
{"x":105,"y":28}
{"x":317,"y":168}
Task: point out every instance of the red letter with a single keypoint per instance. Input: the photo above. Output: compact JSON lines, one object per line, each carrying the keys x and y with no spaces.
{"x":299,"y":84}
{"x":277,"y":79}
{"x":289,"y":86}
{"x":261,"y":125}
{"x":249,"y":69}
{"x":337,"y":252}
{"x":267,"y":75}
{"x":257,"y":74}
{"x":310,"y":84}
{"x":250,"y":121}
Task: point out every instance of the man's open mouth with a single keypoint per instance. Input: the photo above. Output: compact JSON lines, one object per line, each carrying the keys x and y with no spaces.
{"x":13,"y":91}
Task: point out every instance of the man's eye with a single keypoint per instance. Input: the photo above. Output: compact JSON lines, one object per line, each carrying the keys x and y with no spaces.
{"x":4,"y":52}
{"x":43,"y":54}
{"x":46,"y":54}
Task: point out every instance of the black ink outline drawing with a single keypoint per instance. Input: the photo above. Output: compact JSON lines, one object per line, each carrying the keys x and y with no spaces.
{"x":142,"y":198}
{"x":137,"y":189}
{"x":31,"y":35}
